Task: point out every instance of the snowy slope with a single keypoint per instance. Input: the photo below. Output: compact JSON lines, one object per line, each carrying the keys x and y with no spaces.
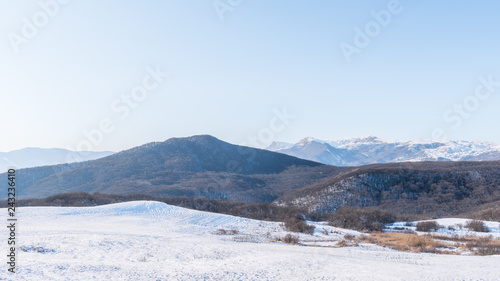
{"x":370,"y":150}
{"x":35,"y":157}
{"x":154,"y":241}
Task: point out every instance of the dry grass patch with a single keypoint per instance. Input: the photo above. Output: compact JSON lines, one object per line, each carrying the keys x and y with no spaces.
{"x":405,"y":242}
{"x":347,"y":243}
{"x":436,"y":243}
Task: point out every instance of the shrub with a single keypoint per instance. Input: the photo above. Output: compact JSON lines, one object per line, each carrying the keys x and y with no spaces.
{"x":291,"y":239}
{"x":376,"y":226}
{"x":221,"y":232}
{"x":297,"y":224}
{"x":476,"y":225}
{"x":369,"y":219}
{"x":427,"y":226}
{"x":349,"y":237}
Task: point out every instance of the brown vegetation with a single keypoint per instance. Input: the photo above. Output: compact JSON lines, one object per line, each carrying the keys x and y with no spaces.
{"x":476,"y":225}
{"x":435,"y":243}
{"x":367,"y":219}
{"x":492,"y":214}
{"x":427,"y":226}
{"x":405,"y":242}
{"x":484,"y":246}
{"x":290,"y":239}
{"x":222,"y":231}
{"x":297,"y":224}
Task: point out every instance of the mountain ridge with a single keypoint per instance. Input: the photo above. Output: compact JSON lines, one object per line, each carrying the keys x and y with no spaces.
{"x":372,"y":150}
{"x":202,"y":166}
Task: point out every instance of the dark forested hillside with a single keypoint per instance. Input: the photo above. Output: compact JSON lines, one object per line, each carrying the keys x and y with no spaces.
{"x":434,"y":188}
{"x":200,"y":166}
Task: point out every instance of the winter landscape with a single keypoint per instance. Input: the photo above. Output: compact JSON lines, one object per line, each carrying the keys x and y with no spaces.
{"x":151,"y":237}
{"x":146,"y":240}
{"x":249,"y":140}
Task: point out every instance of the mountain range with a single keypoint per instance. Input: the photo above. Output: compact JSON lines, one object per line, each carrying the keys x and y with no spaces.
{"x":371,"y":150}
{"x":204,"y":166}
{"x":198,"y":166}
{"x":34,"y":157}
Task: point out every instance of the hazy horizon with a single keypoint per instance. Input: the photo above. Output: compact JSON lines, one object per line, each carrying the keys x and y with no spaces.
{"x":115,"y":75}
{"x":250,"y":144}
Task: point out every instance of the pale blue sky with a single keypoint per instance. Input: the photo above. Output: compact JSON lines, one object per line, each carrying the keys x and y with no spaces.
{"x":228,"y":77}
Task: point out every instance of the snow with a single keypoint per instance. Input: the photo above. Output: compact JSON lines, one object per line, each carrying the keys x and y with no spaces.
{"x":457,"y":227}
{"x":370,"y":150}
{"x":146,"y":240}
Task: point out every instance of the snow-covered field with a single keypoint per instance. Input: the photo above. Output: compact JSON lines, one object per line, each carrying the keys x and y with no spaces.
{"x":155,"y":241}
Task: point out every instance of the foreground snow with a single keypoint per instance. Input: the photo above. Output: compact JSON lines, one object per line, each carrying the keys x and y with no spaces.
{"x":155,"y":241}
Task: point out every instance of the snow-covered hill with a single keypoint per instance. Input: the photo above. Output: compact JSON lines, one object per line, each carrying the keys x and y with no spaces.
{"x":370,"y":150}
{"x":35,"y":157}
{"x":155,"y":241}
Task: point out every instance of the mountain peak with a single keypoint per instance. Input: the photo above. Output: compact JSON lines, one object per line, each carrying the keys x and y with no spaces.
{"x":196,"y":138}
{"x":278,"y":145}
{"x":311,"y":139}
{"x":366,"y":139}
{"x":192,"y":166}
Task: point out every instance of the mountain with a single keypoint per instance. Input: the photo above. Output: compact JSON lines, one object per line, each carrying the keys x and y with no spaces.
{"x":431,"y":188}
{"x":203,"y":166}
{"x":194,"y":166}
{"x":34,"y":157}
{"x":371,"y":150}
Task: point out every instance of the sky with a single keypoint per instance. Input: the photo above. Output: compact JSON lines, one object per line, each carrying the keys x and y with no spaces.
{"x":111,"y":75}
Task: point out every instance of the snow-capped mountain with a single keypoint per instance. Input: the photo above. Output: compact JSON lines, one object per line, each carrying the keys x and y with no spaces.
{"x":35,"y":157}
{"x":370,"y":150}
